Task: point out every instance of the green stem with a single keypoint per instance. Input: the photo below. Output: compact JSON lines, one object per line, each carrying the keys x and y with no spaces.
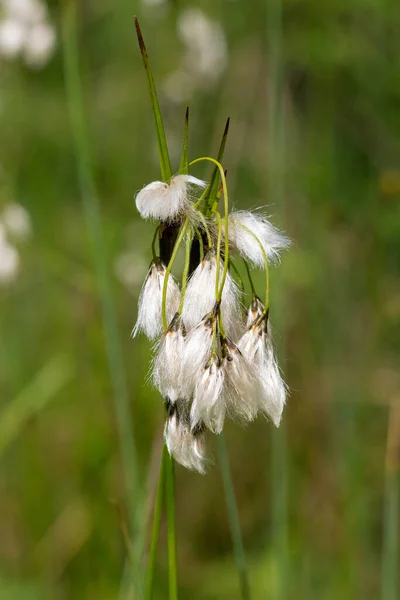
{"x":226,"y":215}
{"x":171,"y":530}
{"x":234,"y":519}
{"x":155,"y":533}
{"x":266,"y":306}
{"x":154,"y":241}
{"x":94,"y":226}
{"x":185,"y":271}
{"x":165,"y":163}
{"x":206,"y":229}
{"x":238,"y":275}
{"x":200,"y":238}
{"x":253,"y":289}
{"x":168,"y":271}
{"x":218,"y":255}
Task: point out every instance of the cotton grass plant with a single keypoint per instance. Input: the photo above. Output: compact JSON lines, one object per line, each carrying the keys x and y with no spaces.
{"x":213,"y":358}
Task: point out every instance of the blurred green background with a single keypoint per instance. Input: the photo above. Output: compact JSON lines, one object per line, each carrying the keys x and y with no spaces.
{"x":313,"y":92}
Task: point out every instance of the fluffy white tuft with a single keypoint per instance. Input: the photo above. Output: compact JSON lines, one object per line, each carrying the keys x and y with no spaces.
{"x":208,"y":406}
{"x":256,"y":345}
{"x":200,"y":297}
{"x":168,"y":360}
{"x":254,"y":311}
{"x":197,"y":350}
{"x":241,"y":240}
{"x":185,"y":446}
{"x":242,"y":385}
{"x":167,"y":201}
{"x":149,"y":319}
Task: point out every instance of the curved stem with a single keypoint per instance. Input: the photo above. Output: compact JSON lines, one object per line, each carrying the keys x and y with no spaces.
{"x":218,"y":256}
{"x":266,"y":267}
{"x":171,"y":533}
{"x":154,"y":240}
{"x":168,"y":271}
{"x":238,"y":275}
{"x":155,"y":532}
{"x":226,"y":215}
{"x":206,"y":229}
{"x":253,"y":289}
{"x":185,"y":271}
{"x":200,"y":238}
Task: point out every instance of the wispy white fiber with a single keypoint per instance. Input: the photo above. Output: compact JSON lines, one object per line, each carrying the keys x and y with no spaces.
{"x":200,"y":297}
{"x":149,"y":319}
{"x":196,"y":353}
{"x":208,"y":406}
{"x":168,"y":361}
{"x":241,"y":240}
{"x":167,"y":202}
{"x":242,"y":385}
{"x":186,"y":447}
{"x":254,"y":311}
{"x":256,"y":345}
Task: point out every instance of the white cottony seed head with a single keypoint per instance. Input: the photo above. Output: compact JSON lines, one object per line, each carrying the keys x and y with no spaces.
{"x":242,"y":384}
{"x":256,"y":345}
{"x":254,"y":311}
{"x":186,"y":446}
{"x":167,"y":201}
{"x":208,"y":406}
{"x":200,"y":297}
{"x":272,"y":240}
{"x":168,"y":361}
{"x":149,"y":319}
{"x":197,"y":349}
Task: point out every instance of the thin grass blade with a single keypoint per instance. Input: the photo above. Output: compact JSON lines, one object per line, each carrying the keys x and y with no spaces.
{"x":184,"y":163}
{"x":165,"y":163}
{"x":94,"y":226}
{"x":234,"y":520}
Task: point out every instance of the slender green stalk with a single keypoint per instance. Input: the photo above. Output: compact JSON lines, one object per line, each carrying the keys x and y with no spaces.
{"x":253,"y":289}
{"x":168,"y":272}
{"x":95,"y":229}
{"x":184,"y":162}
{"x":165,"y":163}
{"x":171,"y":529}
{"x":154,"y":242}
{"x":238,"y":275}
{"x":212,"y":190}
{"x":391,"y":550}
{"x":234,"y":520}
{"x":201,"y":245}
{"x":206,"y":229}
{"x":265,"y":257}
{"x":391,"y":514}
{"x":226,"y":217}
{"x":155,"y":534}
{"x":218,"y":269}
{"x":276,"y":183}
{"x":185,"y":271}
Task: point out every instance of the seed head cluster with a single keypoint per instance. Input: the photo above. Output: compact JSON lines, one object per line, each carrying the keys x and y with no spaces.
{"x":212,"y":358}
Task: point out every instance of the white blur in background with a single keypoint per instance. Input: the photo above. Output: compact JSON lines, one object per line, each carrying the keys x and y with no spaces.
{"x":204,"y":59}
{"x":26,"y":32}
{"x":15,"y":226}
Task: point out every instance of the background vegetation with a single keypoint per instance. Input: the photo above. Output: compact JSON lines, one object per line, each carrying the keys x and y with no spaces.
{"x":313,"y":91}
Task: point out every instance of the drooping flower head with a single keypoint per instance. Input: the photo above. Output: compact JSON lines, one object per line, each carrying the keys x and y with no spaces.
{"x":184,"y":443}
{"x":167,"y":202}
{"x":256,"y":345}
{"x":149,"y":319}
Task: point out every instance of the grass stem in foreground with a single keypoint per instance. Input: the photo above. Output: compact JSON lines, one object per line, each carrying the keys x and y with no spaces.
{"x":156,"y":524}
{"x":95,"y":229}
{"x":171,"y":529}
{"x":233,"y":519}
